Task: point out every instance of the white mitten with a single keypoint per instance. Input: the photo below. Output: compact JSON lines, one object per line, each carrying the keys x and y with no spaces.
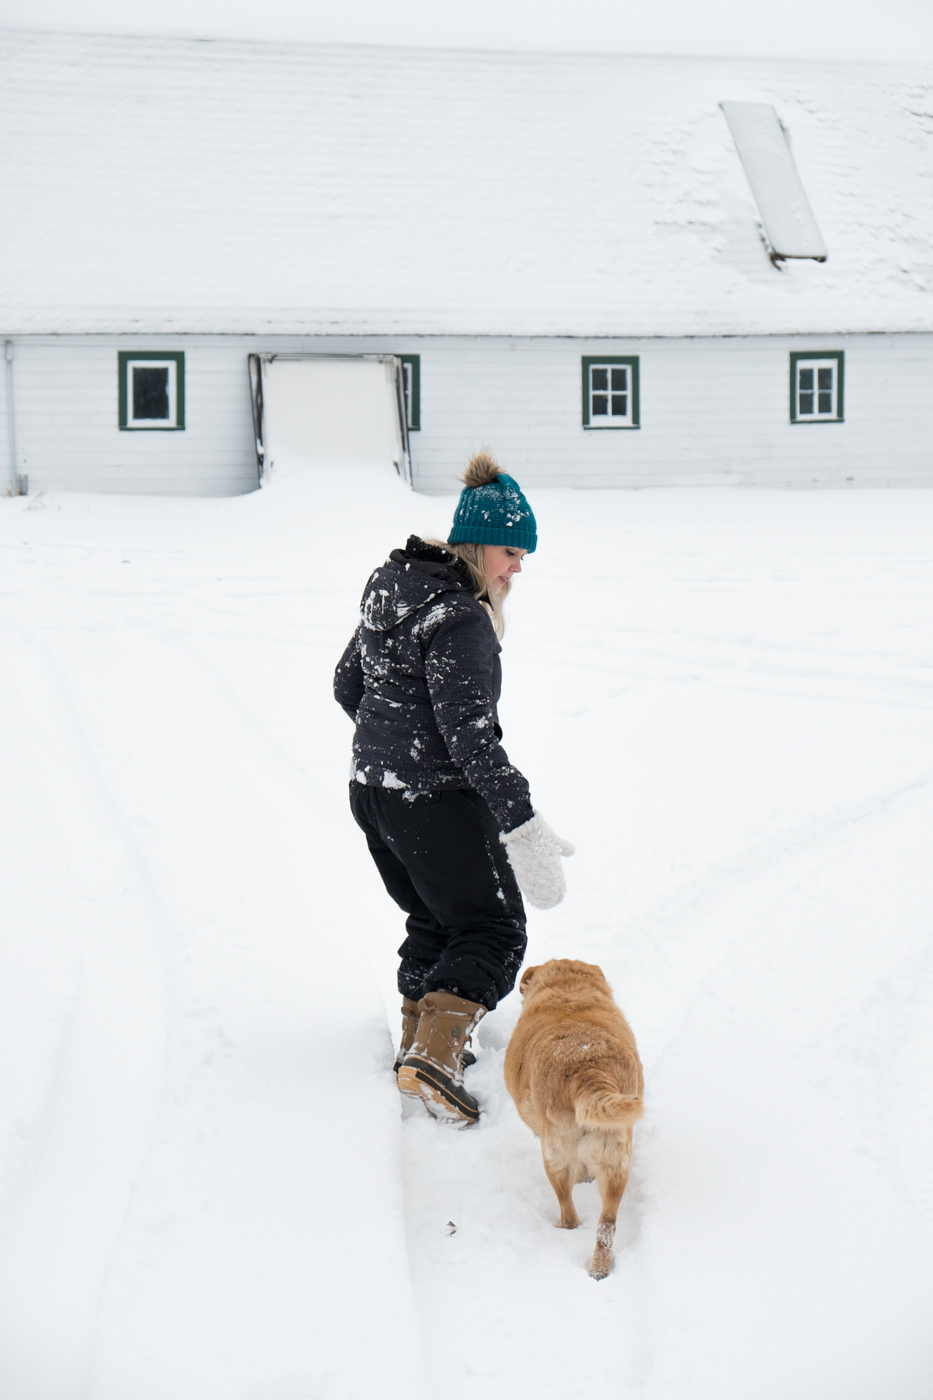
{"x":534,"y":853}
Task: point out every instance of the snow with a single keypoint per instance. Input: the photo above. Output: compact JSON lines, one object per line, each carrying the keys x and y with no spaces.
{"x":250,"y":188}
{"x":208,"y":1189}
{"x":902,"y":32}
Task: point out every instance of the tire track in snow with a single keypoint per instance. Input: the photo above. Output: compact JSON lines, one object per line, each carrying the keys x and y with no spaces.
{"x":776,"y":1149}
{"x":914,"y":1094}
{"x":39,"y":954}
{"x":56,"y":1250}
{"x":490,"y":1181}
{"x":783,"y":861}
{"x":269,"y":1213}
{"x":493,"y":1187}
{"x":319,"y":766}
{"x":788,"y":672}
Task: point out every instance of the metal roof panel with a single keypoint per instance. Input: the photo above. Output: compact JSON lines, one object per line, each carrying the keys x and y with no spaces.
{"x":789,"y":223}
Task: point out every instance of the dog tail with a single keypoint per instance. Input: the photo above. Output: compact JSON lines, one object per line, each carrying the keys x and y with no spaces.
{"x":602,"y":1106}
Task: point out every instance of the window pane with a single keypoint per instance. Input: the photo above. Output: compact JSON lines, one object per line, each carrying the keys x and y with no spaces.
{"x":150,"y":392}
{"x":619,"y":405}
{"x":600,"y":404}
{"x":826,"y":403}
{"x":620,"y":379}
{"x":806,"y":379}
{"x":806,"y":403}
{"x":600,"y":379}
{"x":824,"y":379}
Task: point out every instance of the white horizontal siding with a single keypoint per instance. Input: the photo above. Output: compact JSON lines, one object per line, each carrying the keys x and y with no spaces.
{"x":709,"y":408}
{"x":4,"y":438}
{"x":67,"y":432}
{"x":712,"y":409}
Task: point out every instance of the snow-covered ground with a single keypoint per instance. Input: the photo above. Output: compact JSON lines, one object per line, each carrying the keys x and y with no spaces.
{"x":207,"y":1188}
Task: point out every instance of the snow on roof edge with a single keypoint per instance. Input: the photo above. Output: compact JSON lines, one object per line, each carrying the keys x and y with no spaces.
{"x":407,"y":323}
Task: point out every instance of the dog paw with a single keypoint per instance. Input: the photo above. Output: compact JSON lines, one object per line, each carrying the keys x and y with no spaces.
{"x":601,"y":1266}
{"x":570,"y":1223}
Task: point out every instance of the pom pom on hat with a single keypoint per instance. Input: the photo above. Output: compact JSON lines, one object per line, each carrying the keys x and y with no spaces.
{"x":480,"y":470}
{"x":492,"y":509}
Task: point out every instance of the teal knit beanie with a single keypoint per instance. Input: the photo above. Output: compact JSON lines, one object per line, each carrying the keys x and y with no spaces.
{"x":492,"y":509}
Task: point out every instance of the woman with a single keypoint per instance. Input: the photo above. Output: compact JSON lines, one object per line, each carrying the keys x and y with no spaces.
{"x":447,"y":818}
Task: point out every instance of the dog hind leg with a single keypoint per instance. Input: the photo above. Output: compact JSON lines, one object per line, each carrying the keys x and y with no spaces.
{"x":612,"y":1183}
{"x":561,"y":1178}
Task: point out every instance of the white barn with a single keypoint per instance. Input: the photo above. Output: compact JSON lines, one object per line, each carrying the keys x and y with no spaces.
{"x":563,"y":255}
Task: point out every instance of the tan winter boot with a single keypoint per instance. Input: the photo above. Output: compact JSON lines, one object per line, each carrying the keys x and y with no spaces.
{"x":433,"y":1068}
{"x":410,"y":1014}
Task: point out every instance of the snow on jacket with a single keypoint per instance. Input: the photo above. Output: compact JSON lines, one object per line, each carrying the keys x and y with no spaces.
{"x":421,"y":679}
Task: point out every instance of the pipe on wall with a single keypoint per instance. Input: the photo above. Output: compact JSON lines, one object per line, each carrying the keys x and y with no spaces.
{"x":14,"y":487}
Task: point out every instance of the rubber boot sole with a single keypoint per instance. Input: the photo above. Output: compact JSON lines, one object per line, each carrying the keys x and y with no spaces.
{"x":441,"y":1097}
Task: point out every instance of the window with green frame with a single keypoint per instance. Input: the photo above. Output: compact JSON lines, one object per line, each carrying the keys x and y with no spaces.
{"x":817,"y":382}
{"x":411,"y":370}
{"x":151,"y":389}
{"x":610,"y":391}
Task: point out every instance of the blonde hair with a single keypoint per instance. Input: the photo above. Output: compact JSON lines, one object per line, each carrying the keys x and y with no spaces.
{"x":474,"y":556}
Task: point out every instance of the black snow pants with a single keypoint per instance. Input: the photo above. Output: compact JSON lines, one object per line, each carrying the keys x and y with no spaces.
{"x":441,"y":860}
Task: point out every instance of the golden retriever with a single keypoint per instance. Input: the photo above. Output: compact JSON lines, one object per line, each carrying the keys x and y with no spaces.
{"x":574,"y":1073}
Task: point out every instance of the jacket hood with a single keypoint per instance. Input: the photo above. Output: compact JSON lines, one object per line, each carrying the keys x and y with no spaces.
{"x":410,"y":579}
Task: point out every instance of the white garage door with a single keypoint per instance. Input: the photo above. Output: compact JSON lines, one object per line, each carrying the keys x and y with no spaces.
{"x":332,"y":410}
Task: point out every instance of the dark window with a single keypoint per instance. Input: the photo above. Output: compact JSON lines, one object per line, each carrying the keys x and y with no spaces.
{"x":600,"y":397}
{"x":825,"y":380}
{"x":806,"y":391}
{"x":411,"y":370}
{"x":619,"y":379}
{"x":150,"y":392}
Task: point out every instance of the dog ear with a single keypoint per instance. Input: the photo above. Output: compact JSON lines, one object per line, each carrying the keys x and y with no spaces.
{"x":526,"y":979}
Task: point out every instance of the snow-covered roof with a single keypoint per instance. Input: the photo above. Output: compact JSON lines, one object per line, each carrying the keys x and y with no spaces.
{"x":176,"y":185}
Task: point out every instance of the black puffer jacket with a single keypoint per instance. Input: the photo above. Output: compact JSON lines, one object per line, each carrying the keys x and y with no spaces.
{"x":421,"y":678}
